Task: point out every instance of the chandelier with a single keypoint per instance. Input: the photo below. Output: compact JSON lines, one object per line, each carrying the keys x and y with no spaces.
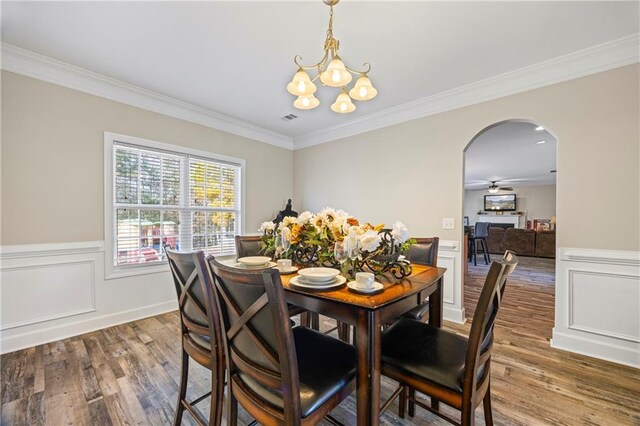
{"x":332,"y":72}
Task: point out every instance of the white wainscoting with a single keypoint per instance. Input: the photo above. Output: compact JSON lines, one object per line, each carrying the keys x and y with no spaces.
{"x":598,"y":304}
{"x":449,"y":256}
{"x":53,"y":291}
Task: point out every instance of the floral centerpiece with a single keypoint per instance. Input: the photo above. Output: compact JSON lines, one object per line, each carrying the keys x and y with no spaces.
{"x":312,"y":238}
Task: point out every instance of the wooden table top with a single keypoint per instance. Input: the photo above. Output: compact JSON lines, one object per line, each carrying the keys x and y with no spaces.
{"x":421,"y":278}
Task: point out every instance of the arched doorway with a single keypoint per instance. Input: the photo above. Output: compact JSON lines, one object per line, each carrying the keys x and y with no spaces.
{"x":510,"y":199}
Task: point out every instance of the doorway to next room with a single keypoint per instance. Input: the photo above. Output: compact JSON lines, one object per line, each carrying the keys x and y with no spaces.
{"x":510,"y":204}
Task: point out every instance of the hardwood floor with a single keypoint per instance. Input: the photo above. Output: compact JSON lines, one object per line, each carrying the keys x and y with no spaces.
{"x":127,"y":374}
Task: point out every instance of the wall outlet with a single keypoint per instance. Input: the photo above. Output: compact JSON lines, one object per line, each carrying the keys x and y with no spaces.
{"x":448,"y":223}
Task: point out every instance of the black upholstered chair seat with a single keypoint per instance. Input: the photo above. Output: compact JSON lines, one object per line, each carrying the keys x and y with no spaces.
{"x":419,"y":313}
{"x":426,"y":352}
{"x":322,"y":372}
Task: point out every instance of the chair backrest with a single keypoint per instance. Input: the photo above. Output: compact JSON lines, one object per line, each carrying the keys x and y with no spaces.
{"x":199,"y":312}
{"x":482,"y":229}
{"x":258,"y":336}
{"x":424,"y":251}
{"x":248,"y":245}
{"x":481,"y":335}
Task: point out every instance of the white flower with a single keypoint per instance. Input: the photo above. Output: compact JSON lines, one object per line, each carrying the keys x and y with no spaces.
{"x":400,"y":232}
{"x":328,"y":215}
{"x":304,"y":218}
{"x":288,"y":220}
{"x":267,"y":227}
{"x":370,"y":241}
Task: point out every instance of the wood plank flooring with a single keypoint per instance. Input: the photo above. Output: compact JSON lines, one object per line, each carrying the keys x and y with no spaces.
{"x":128,"y":374}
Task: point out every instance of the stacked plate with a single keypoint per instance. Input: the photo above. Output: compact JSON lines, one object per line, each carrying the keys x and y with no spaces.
{"x":256,"y":262}
{"x":318,"y":278}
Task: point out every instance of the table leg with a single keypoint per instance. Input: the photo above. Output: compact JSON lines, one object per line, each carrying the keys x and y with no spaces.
{"x":435,"y":305}
{"x":368,"y":337}
{"x":435,"y":319}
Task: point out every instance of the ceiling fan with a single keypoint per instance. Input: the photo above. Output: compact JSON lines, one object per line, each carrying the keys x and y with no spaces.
{"x":494,"y":188}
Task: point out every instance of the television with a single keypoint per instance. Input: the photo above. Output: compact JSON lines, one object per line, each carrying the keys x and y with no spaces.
{"x":500,"y":203}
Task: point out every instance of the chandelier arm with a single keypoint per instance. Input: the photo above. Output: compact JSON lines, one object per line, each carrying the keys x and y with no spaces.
{"x":318,"y":65}
{"x":366,"y":65}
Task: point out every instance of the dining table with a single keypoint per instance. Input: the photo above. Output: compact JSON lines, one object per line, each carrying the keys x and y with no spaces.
{"x":368,"y":313}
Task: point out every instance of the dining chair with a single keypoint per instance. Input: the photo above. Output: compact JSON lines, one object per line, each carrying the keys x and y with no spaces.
{"x":251,"y":245}
{"x":248,"y":245}
{"x":480,"y":234}
{"x":443,"y":365}
{"x":201,"y":332}
{"x":423,"y":252}
{"x":278,"y":373}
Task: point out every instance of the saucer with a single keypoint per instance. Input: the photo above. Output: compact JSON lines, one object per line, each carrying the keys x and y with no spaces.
{"x":287,"y":271}
{"x":337,"y":282}
{"x":376,"y":288}
{"x":243,"y":266}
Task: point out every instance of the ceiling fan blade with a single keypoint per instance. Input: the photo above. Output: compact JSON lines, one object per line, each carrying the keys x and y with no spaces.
{"x":506,"y":188}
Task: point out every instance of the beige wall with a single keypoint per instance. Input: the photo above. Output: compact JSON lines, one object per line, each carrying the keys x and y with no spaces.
{"x":52,"y":160}
{"x":536,"y":201}
{"x":414,"y":171}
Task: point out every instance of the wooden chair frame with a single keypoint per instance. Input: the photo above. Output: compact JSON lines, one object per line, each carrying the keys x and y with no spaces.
{"x":212,"y":359}
{"x":285,"y":375}
{"x":476,"y":389}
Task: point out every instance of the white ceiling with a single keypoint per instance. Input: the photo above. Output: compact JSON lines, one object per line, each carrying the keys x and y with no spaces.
{"x":235,"y":58}
{"x":508,"y":153}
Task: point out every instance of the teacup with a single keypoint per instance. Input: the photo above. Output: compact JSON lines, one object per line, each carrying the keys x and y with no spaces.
{"x":365,"y":280}
{"x":284,"y":265}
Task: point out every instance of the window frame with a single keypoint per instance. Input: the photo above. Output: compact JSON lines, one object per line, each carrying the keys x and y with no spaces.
{"x":110,"y":140}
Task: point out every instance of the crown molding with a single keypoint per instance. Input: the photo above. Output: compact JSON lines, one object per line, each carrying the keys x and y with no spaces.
{"x":581,"y":63}
{"x":30,"y":64}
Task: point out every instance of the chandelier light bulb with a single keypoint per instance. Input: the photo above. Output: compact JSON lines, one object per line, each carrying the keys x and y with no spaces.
{"x":363,"y":90}
{"x":306,"y":102}
{"x":336,"y":74}
{"x":301,"y":84}
{"x":343,"y":104}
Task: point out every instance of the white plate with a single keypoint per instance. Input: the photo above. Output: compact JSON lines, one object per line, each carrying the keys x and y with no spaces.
{"x":254,"y":260}
{"x":376,"y":287}
{"x":263,"y":266}
{"x":319,"y":275}
{"x":337,"y":282}
{"x":288,"y":271}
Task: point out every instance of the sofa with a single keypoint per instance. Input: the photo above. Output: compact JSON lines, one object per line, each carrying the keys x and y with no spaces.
{"x":524,"y":242}
{"x":546,"y":244}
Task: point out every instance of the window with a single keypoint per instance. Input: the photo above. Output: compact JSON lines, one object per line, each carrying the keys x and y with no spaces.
{"x":167,"y":196}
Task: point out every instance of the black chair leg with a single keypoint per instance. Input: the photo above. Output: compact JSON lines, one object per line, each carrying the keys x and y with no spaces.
{"x":435,"y":404}
{"x":314,"y":318}
{"x":475,"y":252}
{"x":232,"y":407}
{"x":412,"y":405}
{"x":486,"y":403}
{"x":402,"y":402}
{"x":182,"y":391}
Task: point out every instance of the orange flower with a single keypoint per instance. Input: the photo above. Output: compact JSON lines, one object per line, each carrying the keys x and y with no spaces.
{"x":352,"y":221}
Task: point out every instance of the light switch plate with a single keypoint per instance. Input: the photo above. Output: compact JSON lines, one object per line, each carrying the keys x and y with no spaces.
{"x":448,"y":223}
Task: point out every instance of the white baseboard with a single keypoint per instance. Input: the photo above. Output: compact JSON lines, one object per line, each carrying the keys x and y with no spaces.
{"x":454,"y":315}
{"x":81,"y":326}
{"x":597,"y":349}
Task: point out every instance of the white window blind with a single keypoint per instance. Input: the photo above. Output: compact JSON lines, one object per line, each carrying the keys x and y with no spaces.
{"x":171,"y":199}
